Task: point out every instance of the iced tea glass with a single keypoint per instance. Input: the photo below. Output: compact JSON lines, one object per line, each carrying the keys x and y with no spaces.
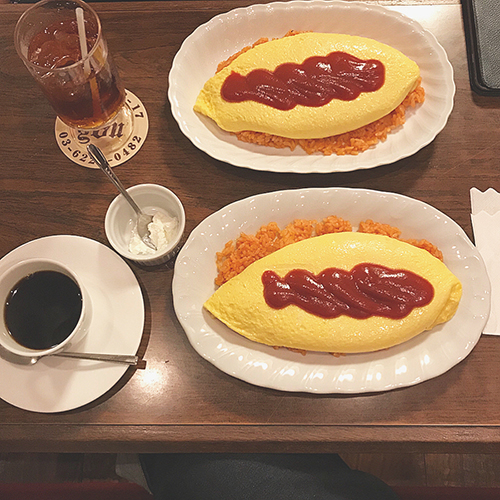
{"x":85,"y":92}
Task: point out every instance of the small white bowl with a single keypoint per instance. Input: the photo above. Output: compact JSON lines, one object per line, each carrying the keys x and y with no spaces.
{"x":12,"y":277}
{"x":120,"y":221}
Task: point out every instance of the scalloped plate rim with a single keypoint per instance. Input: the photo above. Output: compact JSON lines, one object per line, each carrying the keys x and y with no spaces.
{"x":259,"y":158}
{"x":203,"y":234}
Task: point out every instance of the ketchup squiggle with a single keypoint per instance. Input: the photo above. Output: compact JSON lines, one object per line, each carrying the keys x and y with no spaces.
{"x":313,"y":83}
{"x":367,"y":290}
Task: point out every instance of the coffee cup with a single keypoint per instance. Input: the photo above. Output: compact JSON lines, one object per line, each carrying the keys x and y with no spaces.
{"x":45,"y":308}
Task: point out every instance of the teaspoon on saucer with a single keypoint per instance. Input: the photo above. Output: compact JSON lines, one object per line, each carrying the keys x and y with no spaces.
{"x":113,"y":358}
{"x":143,"y":220}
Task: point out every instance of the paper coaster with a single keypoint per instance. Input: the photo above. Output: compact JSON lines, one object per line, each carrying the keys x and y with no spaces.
{"x":119,"y":140}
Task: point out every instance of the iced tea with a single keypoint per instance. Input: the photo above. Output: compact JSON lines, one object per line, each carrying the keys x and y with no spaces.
{"x":85,"y":93}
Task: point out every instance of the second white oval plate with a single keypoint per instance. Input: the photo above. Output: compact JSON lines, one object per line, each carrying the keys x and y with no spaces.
{"x":224,"y":35}
{"x":426,"y":356}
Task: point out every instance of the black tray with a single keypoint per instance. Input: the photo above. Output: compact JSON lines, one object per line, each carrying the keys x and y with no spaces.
{"x":482,"y":36}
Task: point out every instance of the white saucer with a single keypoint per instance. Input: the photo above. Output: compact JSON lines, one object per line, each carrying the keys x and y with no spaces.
{"x":59,"y":384}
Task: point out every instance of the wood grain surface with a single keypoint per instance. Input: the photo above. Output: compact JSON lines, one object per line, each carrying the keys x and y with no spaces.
{"x":181,"y":402}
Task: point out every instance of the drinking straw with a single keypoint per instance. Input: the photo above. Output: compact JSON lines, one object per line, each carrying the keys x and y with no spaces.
{"x":96,"y":101}
{"x":83,"y":38}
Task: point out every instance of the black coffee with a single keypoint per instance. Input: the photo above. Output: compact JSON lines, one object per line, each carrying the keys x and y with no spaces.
{"x":43,"y":309}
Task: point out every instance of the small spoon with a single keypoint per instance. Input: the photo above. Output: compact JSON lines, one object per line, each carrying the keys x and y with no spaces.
{"x":143,"y":220}
{"x":113,"y":358}
{"x":24,"y":360}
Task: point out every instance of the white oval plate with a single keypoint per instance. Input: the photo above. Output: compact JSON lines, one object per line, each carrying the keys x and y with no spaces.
{"x":426,"y":356}
{"x":59,"y":384}
{"x":224,"y":35}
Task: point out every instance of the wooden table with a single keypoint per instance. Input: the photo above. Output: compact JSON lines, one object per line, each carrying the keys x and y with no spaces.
{"x":181,"y":402}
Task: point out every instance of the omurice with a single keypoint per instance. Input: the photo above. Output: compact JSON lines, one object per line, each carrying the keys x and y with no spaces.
{"x":310,"y":86}
{"x":340,"y":293}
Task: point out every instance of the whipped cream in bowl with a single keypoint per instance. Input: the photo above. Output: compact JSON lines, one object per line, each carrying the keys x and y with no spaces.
{"x":162,"y":230}
{"x":166,"y":228}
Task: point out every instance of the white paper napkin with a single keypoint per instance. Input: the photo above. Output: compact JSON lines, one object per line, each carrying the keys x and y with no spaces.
{"x":485,"y":216}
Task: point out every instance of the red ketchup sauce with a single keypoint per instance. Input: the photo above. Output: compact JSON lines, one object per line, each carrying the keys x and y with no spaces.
{"x":313,"y":83}
{"x":367,"y":290}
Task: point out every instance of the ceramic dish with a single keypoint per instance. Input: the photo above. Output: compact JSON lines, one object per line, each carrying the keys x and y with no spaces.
{"x":60,"y":384}
{"x":77,"y":309}
{"x":120,"y":221}
{"x":224,"y":35}
{"x":426,"y":356}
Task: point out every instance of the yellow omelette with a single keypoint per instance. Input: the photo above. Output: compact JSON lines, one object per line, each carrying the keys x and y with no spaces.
{"x":305,"y":122}
{"x":241,"y":305}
